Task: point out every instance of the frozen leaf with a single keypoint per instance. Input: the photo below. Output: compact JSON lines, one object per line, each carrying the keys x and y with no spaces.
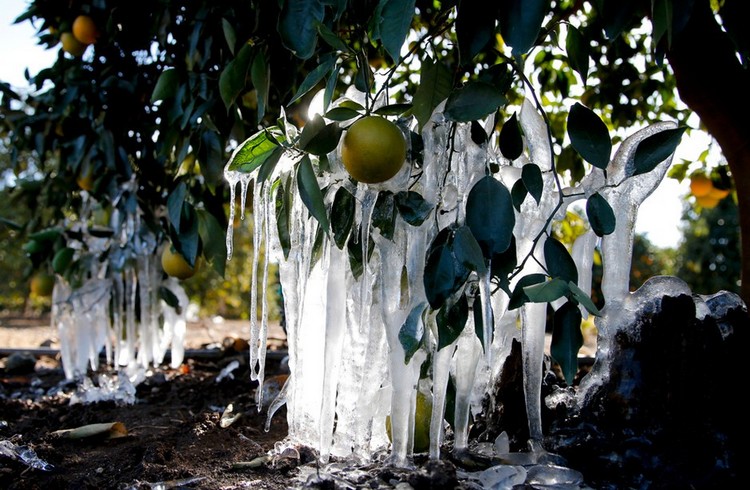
{"x":468,"y":251}
{"x":567,"y":339}
{"x":435,"y":82}
{"x":548,"y":291}
{"x":475,"y":100}
{"x":283,"y":211}
{"x":531,"y":175}
{"x":600,"y":215}
{"x":583,"y":299}
{"x":451,"y":321}
{"x":490,"y":216}
{"x":655,"y":149}
{"x":310,"y":192}
{"x":589,"y":136}
{"x":559,"y":262}
{"x":255,"y":150}
{"x":510,"y":140}
{"x":113,"y":430}
{"x":444,"y":274}
{"x":519,"y":296}
{"x":411,"y":332}
{"x":413,"y":208}
{"x":342,"y":216}
{"x":384,"y":214}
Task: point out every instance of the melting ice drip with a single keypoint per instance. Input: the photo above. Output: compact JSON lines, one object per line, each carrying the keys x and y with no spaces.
{"x":348,"y":369}
{"x":117,"y":309}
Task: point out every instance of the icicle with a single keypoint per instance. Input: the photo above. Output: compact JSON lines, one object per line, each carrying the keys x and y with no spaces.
{"x":256,"y":349}
{"x":488,"y":326}
{"x":232,"y":181}
{"x":465,"y":359}
{"x":441,"y":364}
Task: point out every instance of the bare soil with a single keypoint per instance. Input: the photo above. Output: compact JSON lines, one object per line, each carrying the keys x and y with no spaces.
{"x":173,"y":436}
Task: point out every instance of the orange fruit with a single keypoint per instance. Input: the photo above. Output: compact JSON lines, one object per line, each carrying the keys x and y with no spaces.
{"x":422,"y":418}
{"x":71,"y":45}
{"x":84,"y":30}
{"x":707,"y":202}
{"x":718,"y":193}
{"x":42,"y":284}
{"x":700,"y":185}
{"x":374,"y":150}
{"x":175,"y":265}
{"x":85,"y":179}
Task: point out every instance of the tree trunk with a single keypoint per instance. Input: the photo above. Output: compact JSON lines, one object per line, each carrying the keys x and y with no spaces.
{"x":713,"y":83}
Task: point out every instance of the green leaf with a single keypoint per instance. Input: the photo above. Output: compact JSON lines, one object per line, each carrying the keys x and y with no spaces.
{"x":255,"y":150}
{"x":261,"y":78}
{"x":503,"y":264}
{"x":531,"y":175}
{"x":490,"y":215}
{"x":186,"y":240}
{"x":310,"y":193}
{"x":473,"y":101}
{"x":444,"y":274}
{"x":269,"y":165}
{"x":451,"y":321}
{"x":233,"y":78}
{"x":166,"y":85}
{"x":600,"y":215}
{"x":559,"y":262}
{"x":283,"y":210}
{"x":341,"y":114}
{"x":333,"y":78}
{"x":567,"y":340}
{"x":229,"y":35}
{"x":478,"y":134}
{"x":411,"y":332}
{"x":475,"y":27}
{"x":384,"y":214}
{"x":413,"y":208}
{"x":519,"y":297}
{"x":214,"y":246}
{"x":342,"y":216}
{"x":548,"y":291}
{"x":518,"y":194}
{"x":589,"y":136}
{"x":578,"y":52}
{"x":174,"y":204}
{"x":510,"y":140}
{"x":479,"y":319}
{"x":170,"y":298}
{"x":297,"y":26}
{"x":393,"y":109}
{"x":655,"y":149}
{"x":468,"y":251}
{"x":583,"y":299}
{"x":435,"y":81}
{"x":318,"y":137}
{"x":520,"y":21}
{"x":330,"y":37}
{"x":354,"y":248}
{"x":316,"y":75}
{"x":394,"y":24}
{"x":61,"y":260}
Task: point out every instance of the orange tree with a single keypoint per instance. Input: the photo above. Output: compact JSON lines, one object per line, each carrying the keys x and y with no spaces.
{"x":168,"y":89}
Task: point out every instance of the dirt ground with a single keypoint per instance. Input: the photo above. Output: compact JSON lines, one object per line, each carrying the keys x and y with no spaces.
{"x":174,"y":435}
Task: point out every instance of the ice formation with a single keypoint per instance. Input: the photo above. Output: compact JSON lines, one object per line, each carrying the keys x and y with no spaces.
{"x":117,"y":310}
{"x":349,"y":367}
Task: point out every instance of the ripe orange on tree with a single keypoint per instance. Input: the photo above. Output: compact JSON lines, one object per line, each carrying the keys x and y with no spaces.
{"x":373,"y":150}
{"x":71,"y":45}
{"x":175,"y":265}
{"x":84,"y":30}
{"x":42,"y":283}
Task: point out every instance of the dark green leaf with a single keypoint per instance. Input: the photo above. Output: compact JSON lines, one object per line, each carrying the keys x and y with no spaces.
{"x":170,"y":298}
{"x":211,"y":156}
{"x":283,"y":210}
{"x":342,"y":216}
{"x":174,"y":204}
{"x":567,"y":339}
{"x":600,"y":214}
{"x":616,"y":16}
{"x":318,"y":137}
{"x":61,"y":260}
{"x":166,"y":85}
{"x":310,"y":193}
{"x":411,"y":332}
{"x":444,"y":274}
{"x":577,"y":48}
{"x":214,"y":246}
{"x":354,"y":248}
{"x":234,"y":76}
{"x":395,"y":20}
{"x":583,"y":299}
{"x":333,"y":78}
{"x":393,"y":109}
{"x":255,"y":150}
{"x":330,"y":37}
{"x":451,"y":321}
{"x":297,"y":26}
{"x":384,"y":214}
{"x":655,"y":149}
{"x":478,"y":134}
{"x":531,"y":175}
{"x":11,"y":224}
{"x":468,"y":251}
{"x":413,"y":208}
{"x":475,"y":27}
{"x":341,"y":114}
{"x":261,"y":78}
{"x":229,"y":35}
{"x":475,"y":100}
{"x":546,"y":292}
{"x":186,"y":240}
{"x":315,"y":76}
{"x":435,"y":81}
{"x":490,"y":216}
{"x":520,"y":21}
{"x":559,"y":262}
{"x":479,"y":319}
{"x":510,"y":140}
{"x":503,"y":264}
{"x":268,"y":166}
{"x":589,"y":136}
{"x":519,"y":297}
{"x":518,"y":194}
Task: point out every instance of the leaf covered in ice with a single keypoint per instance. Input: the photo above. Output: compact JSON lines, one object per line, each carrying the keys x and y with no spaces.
{"x":559,"y":262}
{"x":451,"y":320}
{"x":476,"y":100}
{"x":411,"y":332}
{"x":384,"y":214}
{"x":600,"y":215}
{"x":589,"y":135}
{"x":342,"y":216}
{"x":490,"y":216}
{"x":255,"y":150}
{"x":444,"y":273}
{"x":413,"y":208}
{"x":510,"y":140}
{"x":567,"y":339}
{"x":655,"y":149}
{"x":548,"y":291}
{"x":519,"y":297}
{"x":310,"y":192}
{"x":531,"y":175}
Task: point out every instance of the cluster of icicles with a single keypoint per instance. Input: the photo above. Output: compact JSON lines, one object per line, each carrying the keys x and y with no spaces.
{"x":348,"y":369}
{"x":117,"y":310}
